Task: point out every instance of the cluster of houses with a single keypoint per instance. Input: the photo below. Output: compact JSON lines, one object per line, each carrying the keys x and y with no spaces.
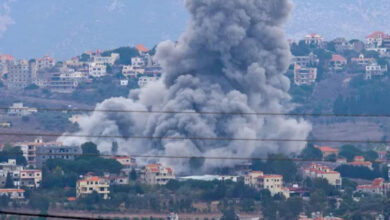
{"x":306,"y":67}
{"x":65,"y":76}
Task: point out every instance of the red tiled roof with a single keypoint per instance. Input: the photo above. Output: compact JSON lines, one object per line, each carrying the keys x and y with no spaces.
{"x":71,"y":199}
{"x":272,"y":176}
{"x":377,"y":34}
{"x":141,"y":48}
{"x":337,"y":57}
{"x":328,"y":149}
{"x":361,"y":163}
{"x":11,"y":190}
{"x":6,"y":57}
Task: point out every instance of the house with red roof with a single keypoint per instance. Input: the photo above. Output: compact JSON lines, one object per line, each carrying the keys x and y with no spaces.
{"x":13,"y":193}
{"x":272,"y":182}
{"x":338,"y":62}
{"x":360,"y":161}
{"x":157,"y":174}
{"x":321,"y":171}
{"x":378,"y":186}
{"x":313,"y":39}
{"x":5,"y":58}
{"x":327,"y":151}
{"x":375,"y":40}
{"x":90,"y":184}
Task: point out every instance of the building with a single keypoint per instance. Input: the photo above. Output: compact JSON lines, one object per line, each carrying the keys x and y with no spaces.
{"x":327,"y":151}
{"x":126,"y":161}
{"x":30,"y":178}
{"x":306,"y":61}
{"x":45,"y":152}
{"x":91,"y":184}
{"x":375,"y":70}
{"x":313,"y":39}
{"x":157,"y":174}
{"x":338,"y":62}
{"x":324,"y":172}
{"x":17,"y":109}
{"x":124,"y":82}
{"x":29,"y":149}
{"x":106,"y":60}
{"x":12,"y":193}
{"x":359,"y":161}
{"x":272,"y":182}
{"x":342,"y":44}
{"x":97,"y":70}
{"x":45,"y":62}
{"x":19,"y":75}
{"x":6,"y":58}
{"x":304,"y":75}
{"x":362,"y":61}
{"x":378,"y":186}
{"x":138,"y":62}
{"x":132,"y":71}
{"x":62,"y":84}
{"x":375,"y":40}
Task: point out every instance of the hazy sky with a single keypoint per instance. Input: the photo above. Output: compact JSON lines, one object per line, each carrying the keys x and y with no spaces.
{"x":65,"y":28}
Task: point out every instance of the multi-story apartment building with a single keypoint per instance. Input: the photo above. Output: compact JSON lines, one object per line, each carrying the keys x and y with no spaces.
{"x":156,"y":174}
{"x":375,"y":70}
{"x":30,"y":178}
{"x":91,"y":184}
{"x":362,"y":61}
{"x":304,"y":75}
{"x":45,"y":62}
{"x":271,"y":182}
{"x":138,"y":62}
{"x":321,"y":171}
{"x":62,"y":84}
{"x":45,"y":152}
{"x":19,"y":75}
{"x":306,"y":61}
{"x":30,"y":149}
{"x":97,"y":70}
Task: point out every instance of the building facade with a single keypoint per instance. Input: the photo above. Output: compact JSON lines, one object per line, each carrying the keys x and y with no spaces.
{"x":324,"y":172}
{"x":157,"y":174}
{"x":91,"y":184}
{"x":304,"y":75}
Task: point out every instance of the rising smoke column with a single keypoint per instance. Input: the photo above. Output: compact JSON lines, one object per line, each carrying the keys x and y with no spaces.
{"x":231,"y":58}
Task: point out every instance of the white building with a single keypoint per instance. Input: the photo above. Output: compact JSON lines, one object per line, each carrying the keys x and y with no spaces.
{"x":109,"y":60}
{"x":45,"y":62}
{"x":97,"y":70}
{"x":17,"y":109}
{"x":313,"y":38}
{"x":375,"y":70}
{"x":138,"y":62}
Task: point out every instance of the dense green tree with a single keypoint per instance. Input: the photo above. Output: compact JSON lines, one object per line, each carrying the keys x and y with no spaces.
{"x":133,"y":175}
{"x":318,"y":201}
{"x":311,"y":153}
{"x":16,"y":153}
{"x":90,"y":148}
{"x":349,"y":151}
{"x":125,"y":54}
{"x":291,"y":208}
{"x":9,"y":183}
{"x":360,"y":172}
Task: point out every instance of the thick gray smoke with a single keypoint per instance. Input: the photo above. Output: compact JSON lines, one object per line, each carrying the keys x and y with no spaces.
{"x":231,"y":58}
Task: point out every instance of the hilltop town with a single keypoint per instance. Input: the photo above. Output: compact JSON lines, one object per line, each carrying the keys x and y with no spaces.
{"x":330,"y":181}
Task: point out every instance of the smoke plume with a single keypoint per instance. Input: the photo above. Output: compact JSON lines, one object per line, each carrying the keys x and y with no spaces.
{"x":231,"y":58}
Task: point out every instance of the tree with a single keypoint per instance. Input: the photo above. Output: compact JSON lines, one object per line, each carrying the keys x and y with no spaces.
{"x":90,"y":148}
{"x":311,"y":153}
{"x":133,"y":175}
{"x":318,"y":201}
{"x":16,"y":153}
{"x":331,"y":158}
{"x":349,"y":151}
{"x":291,"y":208}
{"x":229,"y":214}
{"x":9,"y":183}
